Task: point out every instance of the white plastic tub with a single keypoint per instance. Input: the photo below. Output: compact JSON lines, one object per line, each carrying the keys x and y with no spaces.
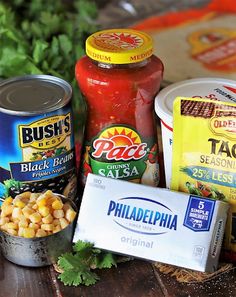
{"x":211,"y":88}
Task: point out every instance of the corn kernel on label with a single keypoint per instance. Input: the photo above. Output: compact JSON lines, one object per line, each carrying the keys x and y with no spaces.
{"x":204,"y":153}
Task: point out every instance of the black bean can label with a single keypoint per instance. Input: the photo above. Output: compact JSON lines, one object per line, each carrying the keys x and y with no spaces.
{"x":37,"y":149}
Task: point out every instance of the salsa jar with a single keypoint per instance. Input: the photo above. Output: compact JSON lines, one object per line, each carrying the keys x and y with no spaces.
{"x":119,"y":78}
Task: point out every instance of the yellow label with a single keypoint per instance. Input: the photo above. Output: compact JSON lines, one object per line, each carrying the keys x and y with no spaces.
{"x":46,"y":133}
{"x":224,"y":126}
{"x":214,"y":48}
{"x":204,"y":153}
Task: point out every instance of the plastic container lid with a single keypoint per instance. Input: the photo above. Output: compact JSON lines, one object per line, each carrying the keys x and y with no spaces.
{"x":119,"y":46}
{"x":211,"y":88}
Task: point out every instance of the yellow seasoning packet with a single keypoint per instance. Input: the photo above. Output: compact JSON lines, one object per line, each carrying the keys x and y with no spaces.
{"x":204,"y":153}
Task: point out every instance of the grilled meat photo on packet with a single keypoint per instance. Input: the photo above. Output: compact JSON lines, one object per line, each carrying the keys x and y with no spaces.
{"x":204,"y":153}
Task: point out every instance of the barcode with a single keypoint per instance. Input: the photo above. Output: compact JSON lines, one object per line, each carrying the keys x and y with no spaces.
{"x":198,"y":251}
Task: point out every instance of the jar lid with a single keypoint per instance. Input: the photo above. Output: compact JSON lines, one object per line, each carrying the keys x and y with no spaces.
{"x":119,"y":46}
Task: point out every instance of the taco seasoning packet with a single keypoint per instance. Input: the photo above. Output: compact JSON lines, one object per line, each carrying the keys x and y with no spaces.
{"x":204,"y":154}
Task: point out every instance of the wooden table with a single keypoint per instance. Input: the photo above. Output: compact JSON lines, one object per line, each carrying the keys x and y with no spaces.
{"x":130,"y":279}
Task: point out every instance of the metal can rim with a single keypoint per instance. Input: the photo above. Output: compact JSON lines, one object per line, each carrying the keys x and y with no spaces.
{"x":43,"y":77}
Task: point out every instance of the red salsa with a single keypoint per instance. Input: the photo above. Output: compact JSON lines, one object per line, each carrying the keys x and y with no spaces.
{"x":119,"y":78}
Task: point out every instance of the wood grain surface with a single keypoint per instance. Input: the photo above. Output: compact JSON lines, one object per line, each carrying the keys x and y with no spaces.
{"x":134,"y":278}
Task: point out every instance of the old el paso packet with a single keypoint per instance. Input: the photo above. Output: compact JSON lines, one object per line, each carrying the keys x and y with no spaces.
{"x":204,"y":153}
{"x":151,"y":223}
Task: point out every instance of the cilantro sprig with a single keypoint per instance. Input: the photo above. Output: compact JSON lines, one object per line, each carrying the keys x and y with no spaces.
{"x":78,"y":266}
{"x":45,"y":37}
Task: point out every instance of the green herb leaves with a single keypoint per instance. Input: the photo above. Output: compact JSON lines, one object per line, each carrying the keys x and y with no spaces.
{"x":9,"y":183}
{"x":77,"y":266}
{"x":43,"y":37}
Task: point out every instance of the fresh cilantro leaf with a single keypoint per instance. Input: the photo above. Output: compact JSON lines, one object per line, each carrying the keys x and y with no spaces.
{"x":82,"y":245}
{"x":36,"y":30}
{"x":87,"y":9}
{"x":65,"y":44}
{"x":90,"y":278}
{"x":71,"y":278}
{"x":39,"y":51}
{"x":67,"y":261}
{"x":47,"y":37}
{"x":76,"y":271}
{"x":51,"y":21}
{"x":11,"y":183}
{"x":105,"y":260}
{"x":77,"y":266}
{"x":54,"y":48}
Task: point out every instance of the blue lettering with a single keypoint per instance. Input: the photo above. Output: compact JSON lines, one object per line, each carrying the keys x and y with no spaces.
{"x":112,"y":206}
{"x":174,"y":223}
{"x":169,"y":221}
{"x":145,"y":215}
{"x":133,"y":214}
{"x":156,"y":218}
{"x":150,"y":219}
{"x":139,"y":214}
{"x":123,"y":211}
{"x":118,"y":209}
{"x":163,"y":220}
{"x":127,"y":212}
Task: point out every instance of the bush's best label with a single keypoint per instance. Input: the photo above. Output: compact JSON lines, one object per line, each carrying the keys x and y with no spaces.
{"x":45,"y":133}
{"x":46,"y":149}
{"x":39,"y":154}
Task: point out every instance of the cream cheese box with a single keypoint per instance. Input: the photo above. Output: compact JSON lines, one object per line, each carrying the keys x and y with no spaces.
{"x":152,"y":223}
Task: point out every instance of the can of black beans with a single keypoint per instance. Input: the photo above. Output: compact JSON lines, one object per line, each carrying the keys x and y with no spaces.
{"x":36,"y":136}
